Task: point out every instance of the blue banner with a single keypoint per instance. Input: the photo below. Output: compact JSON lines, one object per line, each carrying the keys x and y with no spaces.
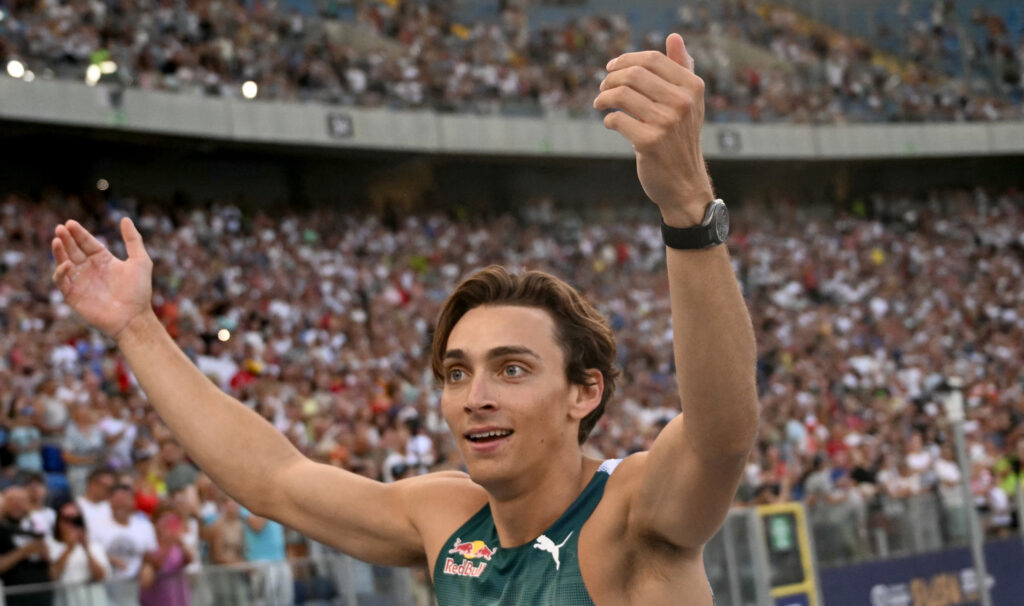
{"x":938,"y":579}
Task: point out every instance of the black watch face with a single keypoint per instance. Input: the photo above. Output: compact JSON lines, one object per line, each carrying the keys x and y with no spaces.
{"x":722,"y":224}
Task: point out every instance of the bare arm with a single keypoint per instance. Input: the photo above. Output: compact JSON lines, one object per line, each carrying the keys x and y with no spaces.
{"x":11,"y":558}
{"x":242,"y":452}
{"x":692,"y":471}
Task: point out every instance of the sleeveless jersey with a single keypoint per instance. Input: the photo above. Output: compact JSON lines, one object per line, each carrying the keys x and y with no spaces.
{"x":473,"y":569}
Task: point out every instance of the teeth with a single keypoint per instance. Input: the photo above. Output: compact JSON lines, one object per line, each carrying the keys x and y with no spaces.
{"x":497,"y":433}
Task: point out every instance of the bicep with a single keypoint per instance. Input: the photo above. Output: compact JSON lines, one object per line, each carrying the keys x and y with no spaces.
{"x":683,"y":497}
{"x":364,"y":518}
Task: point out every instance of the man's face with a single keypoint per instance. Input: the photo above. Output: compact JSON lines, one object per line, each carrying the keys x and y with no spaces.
{"x":122,"y":501}
{"x":506,"y":397}
{"x":15,"y":503}
{"x":100,"y":486}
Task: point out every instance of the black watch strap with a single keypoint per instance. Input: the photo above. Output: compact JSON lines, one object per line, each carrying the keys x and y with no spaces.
{"x":697,"y":237}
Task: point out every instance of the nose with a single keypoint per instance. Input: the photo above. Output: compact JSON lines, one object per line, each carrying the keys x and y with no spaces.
{"x":480,"y":395}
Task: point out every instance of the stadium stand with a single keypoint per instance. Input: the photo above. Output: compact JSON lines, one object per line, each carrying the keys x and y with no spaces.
{"x":320,"y":321}
{"x":764,"y":62}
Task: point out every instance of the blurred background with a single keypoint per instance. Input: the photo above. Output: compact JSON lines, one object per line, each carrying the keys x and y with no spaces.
{"x":313,"y":177}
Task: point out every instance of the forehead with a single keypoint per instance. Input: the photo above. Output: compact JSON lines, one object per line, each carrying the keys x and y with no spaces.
{"x":483,"y":328}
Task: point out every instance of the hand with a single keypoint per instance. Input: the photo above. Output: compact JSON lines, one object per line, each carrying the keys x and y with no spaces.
{"x":37,"y":548}
{"x":105,"y":291}
{"x":662,"y":103}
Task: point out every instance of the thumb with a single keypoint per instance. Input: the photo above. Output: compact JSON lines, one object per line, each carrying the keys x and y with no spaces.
{"x":675,"y":48}
{"x":132,"y":240}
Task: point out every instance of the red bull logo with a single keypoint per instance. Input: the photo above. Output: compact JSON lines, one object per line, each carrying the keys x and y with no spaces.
{"x":471,"y":550}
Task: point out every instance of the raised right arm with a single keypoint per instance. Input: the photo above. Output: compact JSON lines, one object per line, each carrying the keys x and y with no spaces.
{"x":245,"y":455}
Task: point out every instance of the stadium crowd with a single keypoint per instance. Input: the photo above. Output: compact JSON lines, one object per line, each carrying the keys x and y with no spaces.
{"x":762,"y":63}
{"x":320,"y":322}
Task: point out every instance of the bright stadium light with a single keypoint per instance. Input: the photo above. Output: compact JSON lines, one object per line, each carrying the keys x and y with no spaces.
{"x":103,"y":185}
{"x":15,"y":68}
{"x":249,"y":89}
{"x":29,"y":76}
{"x":224,"y":334}
{"x":93,"y":74}
{"x":108,"y":67}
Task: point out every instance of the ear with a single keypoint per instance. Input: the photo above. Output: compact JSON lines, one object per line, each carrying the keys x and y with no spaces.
{"x":587,"y":396}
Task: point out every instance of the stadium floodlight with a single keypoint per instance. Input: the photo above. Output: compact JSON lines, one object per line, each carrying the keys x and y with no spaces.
{"x":108,"y":67}
{"x":29,"y":76}
{"x":249,"y":89}
{"x":93,"y":74}
{"x":15,"y":68}
{"x":103,"y":185}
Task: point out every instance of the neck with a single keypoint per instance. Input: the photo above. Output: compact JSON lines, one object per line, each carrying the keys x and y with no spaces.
{"x":520,"y":516}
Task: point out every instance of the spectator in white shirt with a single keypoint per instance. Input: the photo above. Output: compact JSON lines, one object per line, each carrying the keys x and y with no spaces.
{"x":76,"y":560}
{"x":95,"y":503}
{"x":127,"y":537}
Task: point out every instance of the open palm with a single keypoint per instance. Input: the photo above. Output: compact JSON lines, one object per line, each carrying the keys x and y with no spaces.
{"x":105,"y":291}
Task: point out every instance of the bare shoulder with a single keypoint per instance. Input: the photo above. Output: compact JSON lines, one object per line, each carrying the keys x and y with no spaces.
{"x":438,"y":503}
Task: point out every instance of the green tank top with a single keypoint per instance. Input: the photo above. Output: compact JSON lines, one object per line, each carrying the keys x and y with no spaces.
{"x":473,"y":569}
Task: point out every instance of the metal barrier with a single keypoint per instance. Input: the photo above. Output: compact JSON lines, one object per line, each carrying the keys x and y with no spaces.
{"x":887,"y":527}
{"x":333,"y":579}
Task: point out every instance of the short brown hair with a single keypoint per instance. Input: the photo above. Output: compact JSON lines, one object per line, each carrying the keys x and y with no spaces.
{"x":582,"y":333}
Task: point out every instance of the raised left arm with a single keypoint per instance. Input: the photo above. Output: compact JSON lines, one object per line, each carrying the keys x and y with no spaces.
{"x":691,"y":472}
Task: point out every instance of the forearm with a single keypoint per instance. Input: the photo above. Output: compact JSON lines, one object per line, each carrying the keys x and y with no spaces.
{"x":714,"y":352}
{"x":214,"y":428}
{"x":96,"y":571}
{"x":10,"y":560}
{"x":57,"y":568}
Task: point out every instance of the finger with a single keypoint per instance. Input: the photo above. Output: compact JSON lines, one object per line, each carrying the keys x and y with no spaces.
{"x":645,"y":82}
{"x":59,"y":254}
{"x":86,"y":241}
{"x":60,"y":275}
{"x":633,"y":103}
{"x":635,"y":131}
{"x":133,"y":240}
{"x":655,"y":61}
{"x":71,"y":247}
{"x":675,"y":49}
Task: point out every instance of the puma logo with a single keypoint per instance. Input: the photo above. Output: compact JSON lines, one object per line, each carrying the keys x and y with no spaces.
{"x":545,"y":544}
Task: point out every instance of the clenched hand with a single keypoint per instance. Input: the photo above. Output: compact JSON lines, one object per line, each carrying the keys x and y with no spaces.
{"x":662,"y":103}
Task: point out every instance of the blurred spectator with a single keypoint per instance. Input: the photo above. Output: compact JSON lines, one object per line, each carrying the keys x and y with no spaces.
{"x":83,"y":447}
{"x":77,"y":560}
{"x":24,"y":554}
{"x":127,"y":538}
{"x":118,"y":431}
{"x":24,"y":441}
{"x":41,"y":517}
{"x":227,"y":547}
{"x":947,"y":473}
{"x":162,"y":577}
{"x":95,"y":502}
{"x":265,"y":543}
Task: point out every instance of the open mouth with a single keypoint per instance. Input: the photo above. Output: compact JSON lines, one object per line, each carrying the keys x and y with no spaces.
{"x":483,"y":437}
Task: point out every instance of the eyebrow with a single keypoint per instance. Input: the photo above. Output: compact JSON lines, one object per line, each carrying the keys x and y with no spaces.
{"x":497,"y":352}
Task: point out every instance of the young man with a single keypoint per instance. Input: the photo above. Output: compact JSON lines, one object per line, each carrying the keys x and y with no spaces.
{"x":527,"y":369}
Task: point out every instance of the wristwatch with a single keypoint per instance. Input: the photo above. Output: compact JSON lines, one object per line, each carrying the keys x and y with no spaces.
{"x":712,"y":231}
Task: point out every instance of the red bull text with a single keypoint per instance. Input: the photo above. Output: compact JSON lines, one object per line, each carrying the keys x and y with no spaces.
{"x":471,"y":550}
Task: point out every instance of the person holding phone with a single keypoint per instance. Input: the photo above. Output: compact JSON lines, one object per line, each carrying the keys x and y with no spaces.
{"x":76,"y":561}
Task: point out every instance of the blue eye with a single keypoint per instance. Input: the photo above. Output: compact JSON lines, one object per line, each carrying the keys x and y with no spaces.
{"x":513,"y":370}
{"x":455,"y":374}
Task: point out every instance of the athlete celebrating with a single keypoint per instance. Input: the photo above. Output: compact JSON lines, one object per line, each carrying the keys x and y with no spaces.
{"x":527,"y":369}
